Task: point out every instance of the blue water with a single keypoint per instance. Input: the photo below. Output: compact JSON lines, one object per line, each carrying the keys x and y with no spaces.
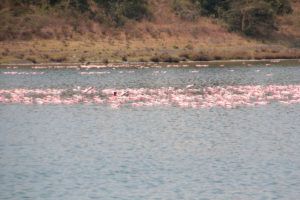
{"x":95,"y":152}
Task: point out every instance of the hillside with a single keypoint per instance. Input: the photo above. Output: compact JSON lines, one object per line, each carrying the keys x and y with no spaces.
{"x":165,"y":34}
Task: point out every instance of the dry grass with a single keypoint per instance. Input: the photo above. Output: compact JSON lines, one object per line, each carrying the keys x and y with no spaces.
{"x":137,"y":50}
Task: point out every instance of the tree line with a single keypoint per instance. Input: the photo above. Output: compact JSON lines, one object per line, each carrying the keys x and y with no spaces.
{"x":250,"y":17}
{"x":118,"y":11}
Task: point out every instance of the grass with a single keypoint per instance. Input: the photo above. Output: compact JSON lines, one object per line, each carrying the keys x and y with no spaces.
{"x":44,"y":51}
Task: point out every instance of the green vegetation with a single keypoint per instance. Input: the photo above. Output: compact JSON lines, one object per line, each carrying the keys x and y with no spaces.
{"x":24,"y":18}
{"x":121,"y":10}
{"x":251,"y":17}
{"x":116,"y":9}
{"x":217,"y":7}
{"x":185,"y":9}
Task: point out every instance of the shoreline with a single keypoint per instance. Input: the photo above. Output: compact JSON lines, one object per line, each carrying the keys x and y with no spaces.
{"x":149,"y":64}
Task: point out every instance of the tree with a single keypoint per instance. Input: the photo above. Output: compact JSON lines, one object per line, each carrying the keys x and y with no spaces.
{"x":120,"y":10}
{"x":280,"y":7}
{"x":253,"y":19}
{"x":212,"y":7}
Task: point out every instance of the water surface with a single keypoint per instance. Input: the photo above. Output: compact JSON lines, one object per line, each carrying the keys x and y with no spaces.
{"x":90,"y":151}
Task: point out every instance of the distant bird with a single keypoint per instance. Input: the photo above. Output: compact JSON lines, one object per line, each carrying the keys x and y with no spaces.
{"x":125,"y":94}
{"x":190,"y":86}
{"x":87,"y":89}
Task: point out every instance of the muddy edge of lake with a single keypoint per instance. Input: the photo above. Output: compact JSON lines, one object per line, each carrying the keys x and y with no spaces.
{"x":181,"y":64}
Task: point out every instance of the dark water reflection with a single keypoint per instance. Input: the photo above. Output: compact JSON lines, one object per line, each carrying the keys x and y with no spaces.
{"x":95,"y":152}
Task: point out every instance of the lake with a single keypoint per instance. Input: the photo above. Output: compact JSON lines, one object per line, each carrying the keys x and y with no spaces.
{"x":151,"y":131}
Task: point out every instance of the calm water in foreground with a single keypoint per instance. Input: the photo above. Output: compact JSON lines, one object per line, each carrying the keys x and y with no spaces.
{"x":95,"y":151}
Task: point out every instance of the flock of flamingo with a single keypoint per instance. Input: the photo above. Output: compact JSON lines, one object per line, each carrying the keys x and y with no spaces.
{"x":189,"y":97}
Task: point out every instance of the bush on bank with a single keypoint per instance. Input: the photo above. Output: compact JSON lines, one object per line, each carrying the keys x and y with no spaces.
{"x":23,"y":19}
{"x":116,"y":10}
{"x":251,"y":17}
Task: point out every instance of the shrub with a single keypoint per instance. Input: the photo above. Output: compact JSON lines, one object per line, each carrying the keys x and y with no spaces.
{"x":280,"y":7}
{"x":120,"y":10}
{"x":58,"y":59}
{"x":212,"y":7}
{"x":200,"y":57}
{"x":154,"y":59}
{"x":251,"y":17}
{"x":124,"y":58}
{"x":165,"y":58}
{"x":255,"y":19}
{"x":81,"y":5}
{"x":135,"y":9}
{"x":32,"y":60}
{"x":105,"y":61}
{"x":185,"y":9}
